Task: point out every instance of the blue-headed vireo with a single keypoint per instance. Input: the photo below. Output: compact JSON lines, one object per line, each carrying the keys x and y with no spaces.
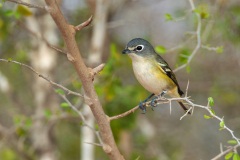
{"x":152,"y":71}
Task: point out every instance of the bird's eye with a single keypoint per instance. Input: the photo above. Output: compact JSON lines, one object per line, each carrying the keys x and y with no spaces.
{"x":139,"y":48}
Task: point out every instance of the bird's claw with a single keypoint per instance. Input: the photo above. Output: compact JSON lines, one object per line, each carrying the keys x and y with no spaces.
{"x":142,"y":107}
{"x":163,"y":93}
{"x":153,"y":103}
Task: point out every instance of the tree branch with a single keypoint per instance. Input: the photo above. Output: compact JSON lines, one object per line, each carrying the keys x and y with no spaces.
{"x":225,"y":152}
{"x":84,"y":24}
{"x":198,"y":34}
{"x":68,"y":33}
{"x":28,"y":4}
{"x":147,"y":104}
{"x":124,"y":114}
{"x":161,"y":100}
{"x":43,"y":77}
{"x":42,"y":38}
{"x":82,"y":117}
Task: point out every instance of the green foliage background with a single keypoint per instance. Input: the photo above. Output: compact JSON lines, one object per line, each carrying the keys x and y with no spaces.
{"x":213,"y":72}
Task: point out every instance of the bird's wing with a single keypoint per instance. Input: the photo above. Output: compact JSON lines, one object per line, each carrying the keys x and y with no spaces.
{"x":162,"y":64}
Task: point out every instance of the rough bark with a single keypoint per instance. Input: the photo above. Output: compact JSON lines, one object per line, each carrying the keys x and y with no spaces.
{"x":91,"y":98}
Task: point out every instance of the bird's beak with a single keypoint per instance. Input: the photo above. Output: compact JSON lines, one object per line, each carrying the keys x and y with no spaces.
{"x":126,"y":51}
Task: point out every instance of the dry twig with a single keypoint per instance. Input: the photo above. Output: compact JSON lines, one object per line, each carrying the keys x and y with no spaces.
{"x":28,"y":4}
{"x":198,"y":34}
{"x":44,"y":77}
{"x":84,"y":24}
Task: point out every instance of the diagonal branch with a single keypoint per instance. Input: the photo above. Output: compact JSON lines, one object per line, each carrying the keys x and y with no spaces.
{"x":68,"y":34}
{"x":42,"y":38}
{"x":225,"y":152}
{"x":123,"y":114}
{"x":28,"y":4}
{"x":82,"y":117}
{"x":84,"y":24}
{"x":44,"y":77}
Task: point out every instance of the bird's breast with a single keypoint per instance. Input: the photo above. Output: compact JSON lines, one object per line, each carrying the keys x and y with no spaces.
{"x":150,"y":76}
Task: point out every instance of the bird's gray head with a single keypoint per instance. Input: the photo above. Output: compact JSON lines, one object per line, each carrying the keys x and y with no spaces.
{"x":140,"y":47}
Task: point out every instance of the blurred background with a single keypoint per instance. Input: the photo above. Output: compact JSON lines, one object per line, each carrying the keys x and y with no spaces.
{"x":35,"y":125}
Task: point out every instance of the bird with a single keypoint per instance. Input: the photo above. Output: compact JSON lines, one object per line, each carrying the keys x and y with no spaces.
{"x":152,"y":72}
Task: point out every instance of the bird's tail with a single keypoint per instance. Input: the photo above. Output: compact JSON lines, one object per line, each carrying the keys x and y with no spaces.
{"x":184,"y":107}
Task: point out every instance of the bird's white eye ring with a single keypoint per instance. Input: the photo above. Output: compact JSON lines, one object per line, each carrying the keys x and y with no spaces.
{"x":139,"y":48}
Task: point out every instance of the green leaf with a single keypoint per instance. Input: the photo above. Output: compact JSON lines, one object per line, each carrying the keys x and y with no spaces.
{"x":160,"y":49}
{"x":211,"y":101}
{"x":219,"y":49}
{"x":64,"y":105}
{"x":183,"y":56}
{"x":59,"y":91}
{"x":233,"y":141}
{"x":23,"y":11}
{"x":207,"y":117}
{"x":222,"y":124}
{"x":229,"y":155}
{"x":212,"y":111}
{"x":168,"y":17}
{"x":236,"y":156}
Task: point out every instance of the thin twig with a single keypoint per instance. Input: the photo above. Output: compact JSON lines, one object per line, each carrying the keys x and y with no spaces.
{"x":189,"y":102}
{"x":84,"y":24}
{"x":198,"y":33}
{"x":181,"y":45}
{"x":36,"y":35}
{"x":81,"y":116}
{"x":56,"y":48}
{"x":187,"y":112}
{"x":98,"y":69}
{"x":28,"y":4}
{"x":124,"y":114}
{"x":186,"y":93}
{"x":161,"y":100}
{"x":95,"y":144}
{"x":44,"y":77}
{"x":225,"y":152}
{"x":147,"y":104}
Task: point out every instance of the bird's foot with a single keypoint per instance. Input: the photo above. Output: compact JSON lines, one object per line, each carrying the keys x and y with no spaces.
{"x":153,"y":103}
{"x":162,"y":94}
{"x":142,"y":106}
